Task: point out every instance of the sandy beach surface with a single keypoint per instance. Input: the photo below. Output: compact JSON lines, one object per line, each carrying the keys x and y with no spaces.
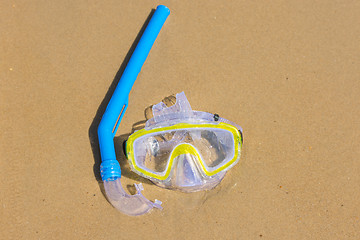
{"x":286,"y":71}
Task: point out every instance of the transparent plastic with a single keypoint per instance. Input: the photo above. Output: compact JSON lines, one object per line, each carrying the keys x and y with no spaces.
{"x":181,"y":112}
{"x":206,"y":148}
{"x":132,"y":205}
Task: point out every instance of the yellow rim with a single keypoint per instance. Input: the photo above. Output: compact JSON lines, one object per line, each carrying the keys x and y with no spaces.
{"x":182,"y":148}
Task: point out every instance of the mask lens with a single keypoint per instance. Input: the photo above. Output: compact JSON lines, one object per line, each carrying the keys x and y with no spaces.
{"x":152,"y":152}
{"x":215,"y":146}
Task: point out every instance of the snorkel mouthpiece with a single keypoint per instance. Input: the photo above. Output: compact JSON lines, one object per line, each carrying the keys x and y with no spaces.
{"x":110,"y":169}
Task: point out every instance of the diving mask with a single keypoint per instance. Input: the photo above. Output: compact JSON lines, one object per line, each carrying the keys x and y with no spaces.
{"x":184,"y":149}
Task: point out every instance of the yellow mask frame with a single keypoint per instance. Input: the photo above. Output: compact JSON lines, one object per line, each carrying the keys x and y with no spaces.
{"x":184,"y":148}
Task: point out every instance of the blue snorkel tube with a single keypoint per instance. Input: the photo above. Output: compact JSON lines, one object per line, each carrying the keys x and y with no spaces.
{"x":110,"y":170}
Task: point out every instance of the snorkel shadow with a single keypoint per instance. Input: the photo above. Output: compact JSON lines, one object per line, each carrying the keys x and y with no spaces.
{"x":93,"y":134}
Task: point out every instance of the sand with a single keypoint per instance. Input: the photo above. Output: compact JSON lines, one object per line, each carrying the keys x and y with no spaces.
{"x":286,"y":71}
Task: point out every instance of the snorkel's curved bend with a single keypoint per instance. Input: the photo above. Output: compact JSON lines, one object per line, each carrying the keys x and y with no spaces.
{"x":110,"y":169}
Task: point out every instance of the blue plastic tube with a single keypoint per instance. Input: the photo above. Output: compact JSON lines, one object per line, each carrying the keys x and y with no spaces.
{"x":110,"y":168}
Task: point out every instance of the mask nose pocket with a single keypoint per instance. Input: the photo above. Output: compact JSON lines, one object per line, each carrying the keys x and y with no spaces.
{"x":186,"y":171}
{"x":185,"y":165}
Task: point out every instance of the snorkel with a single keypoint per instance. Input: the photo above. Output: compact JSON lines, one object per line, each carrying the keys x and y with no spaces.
{"x":110,"y":170}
